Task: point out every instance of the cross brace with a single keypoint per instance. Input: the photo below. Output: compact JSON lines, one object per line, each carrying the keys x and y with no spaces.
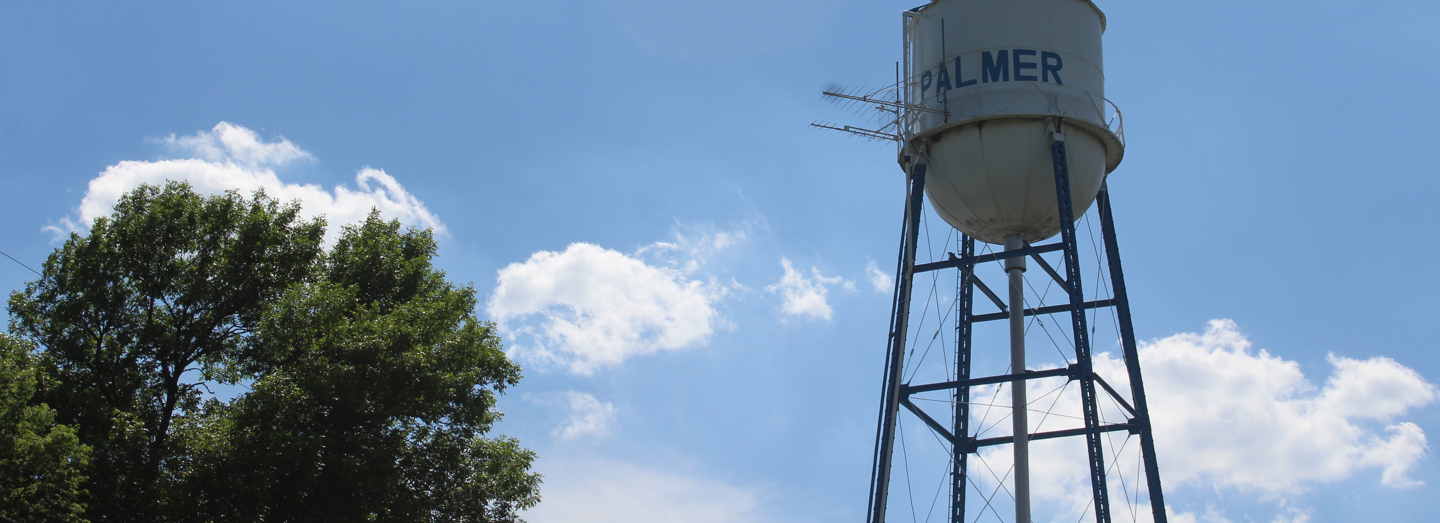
{"x":972,"y":445}
{"x":1044,"y":310}
{"x":955,"y":261}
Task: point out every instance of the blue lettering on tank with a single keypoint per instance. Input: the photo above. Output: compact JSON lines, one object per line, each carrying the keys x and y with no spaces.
{"x":1047,"y":68}
{"x":959,"y":80}
{"x":1021,"y":66}
{"x":1000,"y":65}
{"x":943,"y":81}
{"x":996,"y":67}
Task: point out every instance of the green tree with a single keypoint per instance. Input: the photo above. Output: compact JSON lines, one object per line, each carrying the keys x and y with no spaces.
{"x":372,"y":388}
{"x":41,"y":463}
{"x":172,"y":282}
{"x":374,"y":384}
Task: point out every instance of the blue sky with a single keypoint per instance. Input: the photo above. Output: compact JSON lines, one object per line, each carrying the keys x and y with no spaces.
{"x":685,"y":262}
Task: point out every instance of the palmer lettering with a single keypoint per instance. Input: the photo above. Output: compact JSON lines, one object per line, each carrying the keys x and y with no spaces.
{"x":959,"y":80}
{"x":1000,"y":65}
{"x":1021,"y":66}
{"x":1047,"y":69}
{"x":993,"y":70}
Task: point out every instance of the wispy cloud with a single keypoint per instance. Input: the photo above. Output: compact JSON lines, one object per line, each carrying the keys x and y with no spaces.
{"x":803,"y":296}
{"x":589,"y":417}
{"x":230,"y":143}
{"x":878,"y":278}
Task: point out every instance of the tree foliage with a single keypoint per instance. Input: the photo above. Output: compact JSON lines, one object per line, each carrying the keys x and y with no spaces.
{"x":41,"y":462}
{"x":370,"y":380}
{"x":172,"y":282}
{"x":372,"y":388}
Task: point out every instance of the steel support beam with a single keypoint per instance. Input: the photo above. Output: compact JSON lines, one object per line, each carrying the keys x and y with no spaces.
{"x":1132,"y":357}
{"x":983,"y":258}
{"x":1088,"y":402}
{"x":975,"y":445}
{"x":1070,"y":372}
{"x":895,"y":355}
{"x":929,"y":421}
{"x":1116,"y":395}
{"x":1048,"y":269}
{"x":965,"y":311}
{"x":996,"y":316}
{"x":986,"y":289}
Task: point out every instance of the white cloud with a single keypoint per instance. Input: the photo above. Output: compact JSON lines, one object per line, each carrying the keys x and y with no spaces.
{"x":230,"y":157}
{"x":602,"y":490}
{"x":1253,"y":421}
{"x":1227,"y":417}
{"x":589,"y":307}
{"x":1396,"y":454}
{"x":230,"y":143}
{"x":878,"y":278}
{"x":589,"y":418}
{"x":803,"y":296}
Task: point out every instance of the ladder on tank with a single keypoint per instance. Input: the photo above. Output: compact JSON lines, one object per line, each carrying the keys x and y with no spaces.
{"x":897,"y":393}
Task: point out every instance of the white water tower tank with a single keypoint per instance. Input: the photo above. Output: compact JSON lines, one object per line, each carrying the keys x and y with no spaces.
{"x":998,"y":75}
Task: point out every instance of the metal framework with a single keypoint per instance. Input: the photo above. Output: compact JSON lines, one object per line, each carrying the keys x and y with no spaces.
{"x":897,"y":393}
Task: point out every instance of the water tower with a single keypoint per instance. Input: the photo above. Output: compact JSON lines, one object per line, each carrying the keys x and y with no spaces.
{"x":1000,"y":118}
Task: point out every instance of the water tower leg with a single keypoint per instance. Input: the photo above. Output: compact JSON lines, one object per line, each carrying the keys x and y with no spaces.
{"x":895,"y":356}
{"x":1019,"y":417}
{"x":965,"y":311}
{"x":1132,"y":357}
{"x":1088,"y":402}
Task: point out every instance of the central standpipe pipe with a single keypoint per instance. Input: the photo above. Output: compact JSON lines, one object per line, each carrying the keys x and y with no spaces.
{"x":1015,"y":270}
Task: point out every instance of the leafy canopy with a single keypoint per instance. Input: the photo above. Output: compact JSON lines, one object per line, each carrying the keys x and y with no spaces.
{"x":368,"y":381}
{"x":41,"y":462}
{"x":372,"y":388}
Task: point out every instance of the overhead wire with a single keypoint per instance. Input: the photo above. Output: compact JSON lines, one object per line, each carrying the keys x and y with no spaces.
{"x":941,"y":487}
{"x":22,"y":264}
{"x":1038,"y":319}
{"x":1134,"y":517}
{"x":932,"y":297}
{"x":1115,"y":465}
{"x":1115,"y":454}
{"x":973,"y":403}
{"x":939,"y":331}
{"x":975,"y":485}
{"x":989,"y":500}
{"x":1000,"y":484}
{"x":935,"y":500}
{"x":1050,"y":411}
{"x":905,"y":458}
{"x":1102,"y":281}
{"x":999,"y":481}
